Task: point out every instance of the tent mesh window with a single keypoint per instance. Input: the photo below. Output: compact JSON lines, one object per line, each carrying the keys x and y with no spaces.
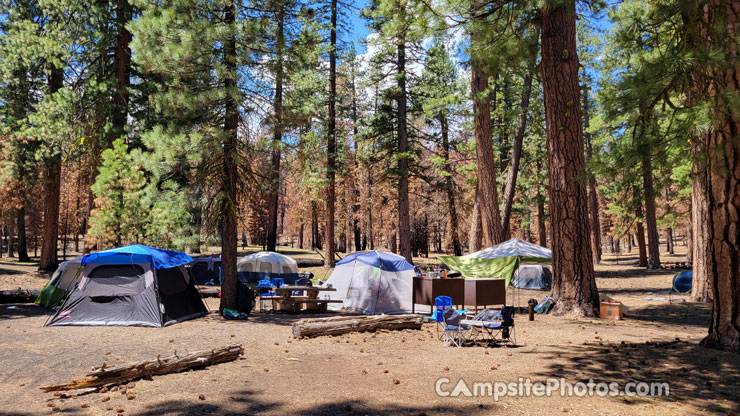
{"x":115,"y":280}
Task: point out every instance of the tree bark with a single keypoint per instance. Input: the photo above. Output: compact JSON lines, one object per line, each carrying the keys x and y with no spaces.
{"x":51,"y":188}
{"x":574,"y":286}
{"x":229,"y":185}
{"x":642,"y":250}
{"x":344,"y":324}
{"x":331,"y":145}
{"x":700,"y":290}
{"x":450,"y":185}
{"x":486,"y":165}
{"x":593,"y":199}
{"x":404,"y":227}
{"x":104,"y":375}
{"x":650,"y":220}
{"x":277,"y":139}
{"x":475,"y":237}
{"x":22,"y":245}
{"x":122,"y":57}
{"x":516,"y":151}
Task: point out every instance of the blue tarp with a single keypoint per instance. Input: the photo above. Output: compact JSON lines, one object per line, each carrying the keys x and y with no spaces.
{"x":161,"y":259}
{"x":385,"y":261}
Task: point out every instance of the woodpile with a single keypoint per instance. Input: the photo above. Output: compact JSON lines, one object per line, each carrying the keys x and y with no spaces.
{"x":317,"y":327}
{"x":104,"y":375}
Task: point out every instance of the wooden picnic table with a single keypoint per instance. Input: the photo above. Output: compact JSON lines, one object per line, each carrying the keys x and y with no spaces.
{"x":286,"y":301}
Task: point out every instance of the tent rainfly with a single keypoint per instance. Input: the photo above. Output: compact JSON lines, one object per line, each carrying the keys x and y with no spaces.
{"x":499,"y":261}
{"x":373,"y":283}
{"x":132,"y":286}
{"x":266,"y":265}
{"x":61,"y":282}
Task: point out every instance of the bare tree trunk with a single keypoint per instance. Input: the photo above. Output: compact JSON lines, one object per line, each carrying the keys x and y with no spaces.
{"x":22,"y":246}
{"x":574,"y":285}
{"x":516,"y":151}
{"x":277,"y":140}
{"x":642,"y":250}
{"x":331,"y":145}
{"x":650,"y":221}
{"x":450,"y":186}
{"x":475,"y":237}
{"x":404,"y":227}
{"x":593,"y":199}
{"x":700,"y":291}
{"x":229,"y":223}
{"x":122,"y":57}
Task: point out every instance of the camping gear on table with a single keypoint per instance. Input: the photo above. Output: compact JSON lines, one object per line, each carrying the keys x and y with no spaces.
{"x":532,"y":277}
{"x":60,"y":284}
{"x":611,"y":310}
{"x":267,"y":265}
{"x":132,"y":286}
{"x":372,"y":282}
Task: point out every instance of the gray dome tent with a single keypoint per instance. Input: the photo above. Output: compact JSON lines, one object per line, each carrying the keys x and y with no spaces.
{"x":132,"y":286}
{"x":533,"y":277}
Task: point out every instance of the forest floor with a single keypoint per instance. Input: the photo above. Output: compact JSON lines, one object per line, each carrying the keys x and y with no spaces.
{"x":382,"y":373}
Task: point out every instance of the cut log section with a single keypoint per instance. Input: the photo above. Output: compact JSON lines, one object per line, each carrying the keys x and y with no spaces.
{"x":101,"y":376}
{"x":317,"y":327}
{"x":18,"y":296}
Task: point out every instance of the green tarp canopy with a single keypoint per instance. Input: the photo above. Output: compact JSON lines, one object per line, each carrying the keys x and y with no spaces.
{"x":498,"y":262}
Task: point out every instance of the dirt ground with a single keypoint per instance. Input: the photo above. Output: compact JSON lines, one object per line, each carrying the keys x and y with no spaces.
{"x":383,"y":373}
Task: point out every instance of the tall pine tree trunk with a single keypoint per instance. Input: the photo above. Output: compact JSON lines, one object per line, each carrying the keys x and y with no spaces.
{"x":122,"y":57}
{"x":486,"y":165}
{"x":574,"y":285}
{"x":52,"y":177}
{"x":22,"y":245}
{"x":641,"y":249}
{"x":516,"y":151}
{"x":450,"y":185}
{"x":650,"y":220}
{"x":700,"y":290}
{"x":331,"y":145}
{"x":404,"y":227}
{"x":475,"y":236}
{"x":277,"y":139}
{"x":593,"y":198}
{"x":229,"y":184}
{"x":719,"y":83}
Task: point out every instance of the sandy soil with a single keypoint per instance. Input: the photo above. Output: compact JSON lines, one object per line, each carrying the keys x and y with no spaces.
{"x":354,"y":374}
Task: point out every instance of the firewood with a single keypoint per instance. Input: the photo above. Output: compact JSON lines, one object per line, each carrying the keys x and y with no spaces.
{"x":104,"y":375}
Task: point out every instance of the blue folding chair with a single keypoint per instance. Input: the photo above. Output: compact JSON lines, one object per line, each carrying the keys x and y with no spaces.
{"x":264,"y":289}
{"x":456,"y":332}
{"x":441,"y":304}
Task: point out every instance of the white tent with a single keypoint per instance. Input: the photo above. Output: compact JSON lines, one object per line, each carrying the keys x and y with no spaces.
{"x":267,"y":265}
{"x":513,"y":247}
{"x":372,"y":283}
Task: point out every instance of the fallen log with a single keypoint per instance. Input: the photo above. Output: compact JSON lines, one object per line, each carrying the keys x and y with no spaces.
{"x":18,"y":296}
{"x":104,"y":375}
{"x":316,"y":327}
{"x":302,"y":263}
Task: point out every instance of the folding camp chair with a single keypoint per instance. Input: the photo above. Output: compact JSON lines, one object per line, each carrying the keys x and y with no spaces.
{"x":264,"y":289}
{"x":441,"y":304}
{"x":502,"y":327}
{"x":454,"y":331}
{"x":481,"y":321}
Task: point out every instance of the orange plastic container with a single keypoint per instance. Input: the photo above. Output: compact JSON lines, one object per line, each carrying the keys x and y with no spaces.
{"x":611,"y":310}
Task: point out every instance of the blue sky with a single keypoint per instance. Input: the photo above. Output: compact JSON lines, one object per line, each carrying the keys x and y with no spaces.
{"x":356,"y":26}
